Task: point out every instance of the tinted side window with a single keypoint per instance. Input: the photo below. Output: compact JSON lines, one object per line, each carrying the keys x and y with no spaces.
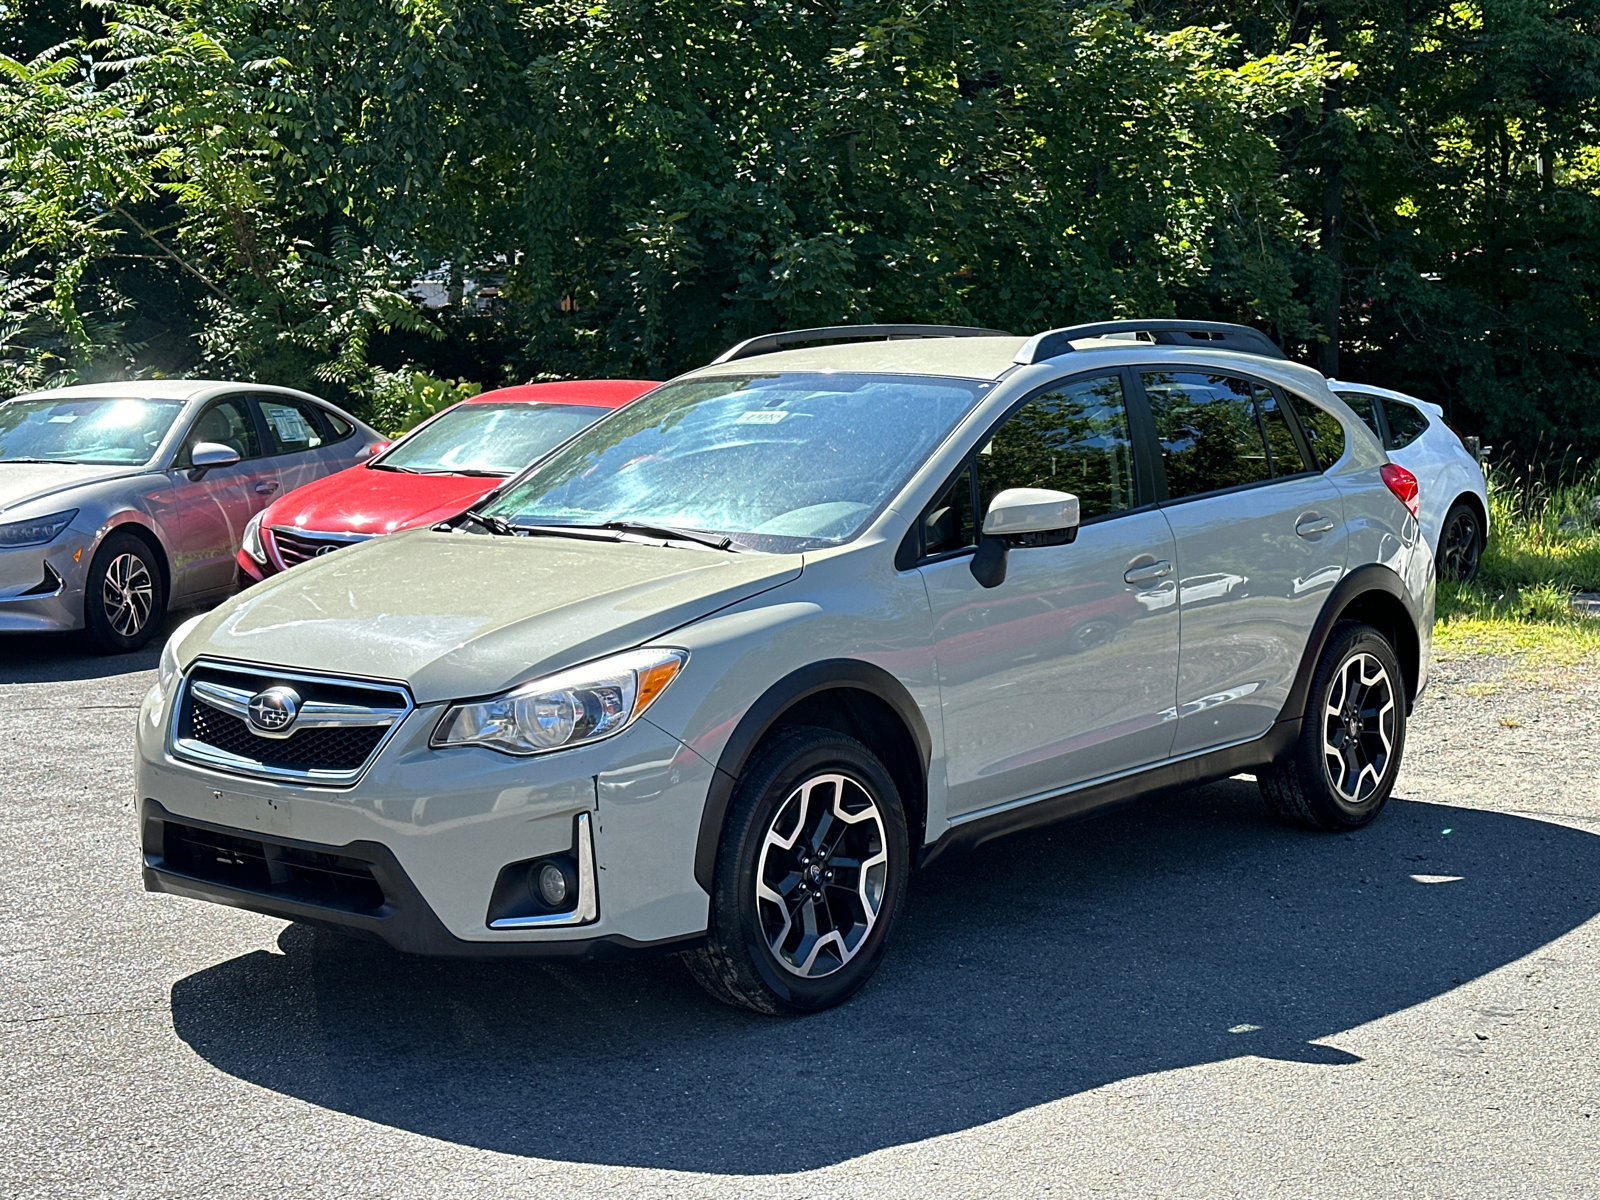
{"x":341,"y":428}
{"x":1073,"y":439}
{"x":227,"y":423}
{"x":1207,"y":427}
{"x":1322,"y":430}
{"x":1406,"y":424}
{"x":1363,"y":405}
{"x":1286,"y":456}
{"x":293,"y":425}
{"x":947,"y":525}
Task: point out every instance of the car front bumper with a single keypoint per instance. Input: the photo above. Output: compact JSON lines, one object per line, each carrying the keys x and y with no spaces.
{"x":41,"y":587}
{"x":431,"y":830}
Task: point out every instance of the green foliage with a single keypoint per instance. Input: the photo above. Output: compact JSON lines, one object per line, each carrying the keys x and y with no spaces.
{"x":400,"y":400}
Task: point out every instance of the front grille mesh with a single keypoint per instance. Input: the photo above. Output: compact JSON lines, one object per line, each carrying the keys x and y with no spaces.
{"x":310,"y":876}
{"x":294,"y":548}
{"x":307,"y":750}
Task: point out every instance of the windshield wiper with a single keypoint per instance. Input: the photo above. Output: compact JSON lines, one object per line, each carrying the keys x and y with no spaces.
{"x":380,"y":466}
{"x":716,"y":541}
{"x":49,"y":462}
{"x":493,"y":524}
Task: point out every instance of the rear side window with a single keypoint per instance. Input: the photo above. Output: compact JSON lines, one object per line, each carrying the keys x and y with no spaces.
{"x":1406,"y":424}
{"x":341,"y":428}
{"x":292,"y":424}
{"x":1365,"y":409}
{"x":1322,"y":430}
{"x":1210,"y":438}
{"x":1072,"y":439}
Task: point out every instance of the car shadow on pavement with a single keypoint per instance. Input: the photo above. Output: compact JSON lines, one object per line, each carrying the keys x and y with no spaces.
{"x":1187,"y":930}
{"x":68,"y":657}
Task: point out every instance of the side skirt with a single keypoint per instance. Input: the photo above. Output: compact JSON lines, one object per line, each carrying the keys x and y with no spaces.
{"x":1102,"y":795}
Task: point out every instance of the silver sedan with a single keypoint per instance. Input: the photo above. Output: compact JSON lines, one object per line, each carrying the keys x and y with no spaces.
{"x":118,"y":500}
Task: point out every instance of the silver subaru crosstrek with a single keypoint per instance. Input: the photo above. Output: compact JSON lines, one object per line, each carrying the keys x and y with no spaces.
{"x":120,"y":499}
{"x":721,"y":671}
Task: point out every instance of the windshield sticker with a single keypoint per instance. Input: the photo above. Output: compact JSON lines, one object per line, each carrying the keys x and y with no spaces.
{"x":64,"y":419}
{"x":762,"y":416}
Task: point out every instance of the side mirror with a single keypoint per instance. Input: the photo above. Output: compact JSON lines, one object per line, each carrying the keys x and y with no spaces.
{"x":206,"y":455}
{"x":1022,"y":517}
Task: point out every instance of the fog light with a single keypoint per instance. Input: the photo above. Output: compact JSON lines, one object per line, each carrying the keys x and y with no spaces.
{"x":553,"y":885}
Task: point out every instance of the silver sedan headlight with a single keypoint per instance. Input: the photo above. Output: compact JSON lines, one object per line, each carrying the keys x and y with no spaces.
{"x":252,"y":539}
{"x":35,"y":532}
{"x":570,"y":708}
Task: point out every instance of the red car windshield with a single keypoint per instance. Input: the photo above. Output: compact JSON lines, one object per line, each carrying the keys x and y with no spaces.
{"x":487,"y":439}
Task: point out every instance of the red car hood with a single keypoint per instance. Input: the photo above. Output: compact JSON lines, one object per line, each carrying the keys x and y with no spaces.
{"x":362,"y":500}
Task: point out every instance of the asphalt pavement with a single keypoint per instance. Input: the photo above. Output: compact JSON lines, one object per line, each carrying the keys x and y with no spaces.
{"x":1178,"y":999}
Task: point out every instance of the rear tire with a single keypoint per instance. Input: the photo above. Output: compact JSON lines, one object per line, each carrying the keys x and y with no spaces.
{"x":124,"y":595}
{"x":1351,"y":740}
{"x":1460,"y":543}
{"x":810,"y":876}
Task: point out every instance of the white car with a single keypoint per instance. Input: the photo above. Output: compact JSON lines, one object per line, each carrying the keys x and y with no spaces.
{"x":1455,"y":499}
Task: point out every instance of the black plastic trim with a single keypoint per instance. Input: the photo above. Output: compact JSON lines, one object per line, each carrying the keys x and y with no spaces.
{"x":1372,"y":577}
{"x":406,"y":921}
{"x":1212,"y":335}
{"x":764,"y":713}
{"x":1095,"y":799}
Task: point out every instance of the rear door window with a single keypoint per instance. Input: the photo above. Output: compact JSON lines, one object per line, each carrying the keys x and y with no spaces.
{"x":292,"y":424}
{"x":1365,"y":407}
{"x":1287,"y":457}
{"x":1406,"y":423}
{"x":1210,"y":437}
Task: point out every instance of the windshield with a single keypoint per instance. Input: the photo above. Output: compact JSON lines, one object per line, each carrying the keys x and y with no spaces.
{"x":492,"y":439}
{"x":777,"y":462}
{"x":110,"y":430}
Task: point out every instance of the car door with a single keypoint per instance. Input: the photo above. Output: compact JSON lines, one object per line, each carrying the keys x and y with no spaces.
{"x":298,"y":438}
{"x":208,"y":510}
{"x":1261,"y":541}
{"x":1067,"y":670}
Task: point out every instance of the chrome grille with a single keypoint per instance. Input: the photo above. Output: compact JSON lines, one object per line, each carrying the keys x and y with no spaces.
{"x":338,"y":726}
{"x":295,"y":546}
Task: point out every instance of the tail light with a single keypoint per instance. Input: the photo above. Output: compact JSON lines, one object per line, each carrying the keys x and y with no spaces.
{"x":1403,"y":484}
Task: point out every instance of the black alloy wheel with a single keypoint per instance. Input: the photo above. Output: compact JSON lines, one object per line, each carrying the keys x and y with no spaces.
{"x":1351,"y":739}
{"x":810,"y":876}
{"x":1460,"y":544}
{"x":124,"y":596}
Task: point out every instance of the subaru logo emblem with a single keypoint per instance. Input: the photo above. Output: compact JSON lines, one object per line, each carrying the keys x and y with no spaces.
{"x":274,"y":710}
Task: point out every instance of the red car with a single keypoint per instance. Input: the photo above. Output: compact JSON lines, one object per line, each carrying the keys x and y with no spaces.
{"x":445,"y":465}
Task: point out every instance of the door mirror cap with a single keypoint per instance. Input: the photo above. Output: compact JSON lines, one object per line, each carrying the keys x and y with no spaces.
{"x":212,"y":454}
{"x":1030,"y":510}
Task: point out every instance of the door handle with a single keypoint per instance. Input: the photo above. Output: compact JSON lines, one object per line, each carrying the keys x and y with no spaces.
{"x":1310,"y":524}
{"x":1148,"y":572}
{"x":268,"y":487}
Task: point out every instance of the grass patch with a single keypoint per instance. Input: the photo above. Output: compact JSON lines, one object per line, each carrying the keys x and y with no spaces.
{"x":1544,"y":545}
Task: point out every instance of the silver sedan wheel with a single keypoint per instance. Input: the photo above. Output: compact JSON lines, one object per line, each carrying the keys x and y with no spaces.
{"x":821,"y":876}
{"x":1358,"y":725}
{"x":128,"y":594}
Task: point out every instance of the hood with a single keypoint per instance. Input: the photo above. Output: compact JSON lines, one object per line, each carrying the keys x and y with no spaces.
{"x":458,"y":615}
{"x":22,"y":482}
{"x":362,"y":500}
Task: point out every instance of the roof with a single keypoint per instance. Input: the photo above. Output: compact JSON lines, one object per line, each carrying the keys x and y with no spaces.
{"x":599,"y":393}
{"x":968,"y":357}
{"x":152,"y":389}
{"x":1373,"y":389}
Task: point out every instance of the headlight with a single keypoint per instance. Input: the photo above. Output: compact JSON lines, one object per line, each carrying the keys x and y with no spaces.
{"x":167,"y":670}
{"x":36,"y":532}
{"x":580,"y":705}
{"x":252,"y":539}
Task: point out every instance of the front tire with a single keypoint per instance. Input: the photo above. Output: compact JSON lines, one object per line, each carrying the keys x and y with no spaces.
{"x":124,"y":595}
{"x":1351,"y":740}
{"x":810,"y":876}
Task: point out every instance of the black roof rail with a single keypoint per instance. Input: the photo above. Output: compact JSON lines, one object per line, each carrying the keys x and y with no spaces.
{"x":766,"y":343}
{"x":1209,"y":335}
